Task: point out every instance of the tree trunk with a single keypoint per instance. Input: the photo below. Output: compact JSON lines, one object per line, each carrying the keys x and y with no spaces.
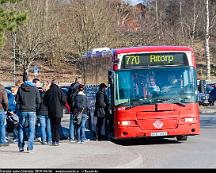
{"x":157,"y":19}
{"x":180,"y":11}
{"x":207,"y":51}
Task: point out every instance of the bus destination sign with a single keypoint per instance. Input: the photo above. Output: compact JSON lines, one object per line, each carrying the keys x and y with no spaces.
{"x":153,"y":59}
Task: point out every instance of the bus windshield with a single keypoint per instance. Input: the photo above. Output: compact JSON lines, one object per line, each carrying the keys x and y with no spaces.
{"x":155,"y":85}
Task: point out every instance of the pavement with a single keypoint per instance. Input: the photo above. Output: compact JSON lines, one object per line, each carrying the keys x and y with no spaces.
{"x":91,"y":154}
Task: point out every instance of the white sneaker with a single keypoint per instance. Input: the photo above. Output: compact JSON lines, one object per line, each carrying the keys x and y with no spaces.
{"x":86,"y":140}
{"x":72,"y":141}
{"x":30,"y":151}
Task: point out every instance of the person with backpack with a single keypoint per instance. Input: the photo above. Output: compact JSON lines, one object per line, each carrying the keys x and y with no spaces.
{"x":80,"y":108}
{"x":72,"y":92}
{"x":12,"y":122}
{"x":3,"y":108}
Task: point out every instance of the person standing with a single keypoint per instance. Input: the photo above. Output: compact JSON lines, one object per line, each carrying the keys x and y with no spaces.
{"x":45,"y":127}
{"x":38,"y":134}
{"x":55,"y":100}
{"x":80,"y":106}
{"x":3,"y":108}
{"x":12,"y":109}
{"x":72,"y":91}
{"x":27,"y":99}
{"x":101,"y":111}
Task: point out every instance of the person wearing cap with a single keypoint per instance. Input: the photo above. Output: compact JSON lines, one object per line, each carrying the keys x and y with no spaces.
{"x":101,"y":111}
{"x":80,"y":105}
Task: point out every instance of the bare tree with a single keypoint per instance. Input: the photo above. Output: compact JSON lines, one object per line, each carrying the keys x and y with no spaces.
{"x":207,"y":51}
{"x":88,"y":25}
{"x":34,"y":39}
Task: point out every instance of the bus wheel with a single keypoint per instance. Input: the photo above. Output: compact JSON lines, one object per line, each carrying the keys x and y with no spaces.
{"x":181,"y":138}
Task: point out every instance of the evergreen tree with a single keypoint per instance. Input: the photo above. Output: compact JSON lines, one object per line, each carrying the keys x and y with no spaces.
{"x":9,"y":19}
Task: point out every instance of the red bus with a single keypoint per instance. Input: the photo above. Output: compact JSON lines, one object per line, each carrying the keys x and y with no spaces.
{"x":153,"y":91}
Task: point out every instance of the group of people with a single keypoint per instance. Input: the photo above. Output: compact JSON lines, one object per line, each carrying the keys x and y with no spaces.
{"x":46,"y":104}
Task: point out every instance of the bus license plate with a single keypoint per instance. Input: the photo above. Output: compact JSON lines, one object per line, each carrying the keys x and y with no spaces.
{"x":159,"y":134}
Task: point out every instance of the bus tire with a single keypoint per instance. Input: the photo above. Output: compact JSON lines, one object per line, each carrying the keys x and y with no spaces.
{"x":181,"y":138}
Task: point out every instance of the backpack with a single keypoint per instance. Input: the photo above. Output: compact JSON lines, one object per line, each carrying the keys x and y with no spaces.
{"x":12,"y":121}
{"x":77,"y":118}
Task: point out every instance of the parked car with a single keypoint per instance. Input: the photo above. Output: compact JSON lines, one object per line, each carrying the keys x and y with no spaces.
{"x":203,"y":97}
{"x":212,"y":96}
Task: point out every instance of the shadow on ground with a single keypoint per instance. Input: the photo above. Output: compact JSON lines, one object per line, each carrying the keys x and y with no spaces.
{"x":146,"y":141}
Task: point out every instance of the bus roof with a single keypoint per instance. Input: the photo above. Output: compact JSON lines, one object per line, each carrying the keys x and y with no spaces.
{"x":151,"y":49}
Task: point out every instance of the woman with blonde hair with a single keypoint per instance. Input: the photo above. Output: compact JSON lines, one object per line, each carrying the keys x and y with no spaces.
{"x":45,"y":126}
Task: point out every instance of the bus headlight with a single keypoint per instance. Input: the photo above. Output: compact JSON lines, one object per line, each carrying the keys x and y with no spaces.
{"x":127,"y":123}
{"x":189,"y":120}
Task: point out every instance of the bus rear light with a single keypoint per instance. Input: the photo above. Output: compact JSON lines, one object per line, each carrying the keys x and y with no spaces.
{"x":127,"y":123}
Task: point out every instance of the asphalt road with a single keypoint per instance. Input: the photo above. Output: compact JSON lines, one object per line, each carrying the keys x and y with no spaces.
{"x":197,"y":152}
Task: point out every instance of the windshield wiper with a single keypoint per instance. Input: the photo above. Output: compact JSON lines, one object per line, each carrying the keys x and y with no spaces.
{"x":138,"y":102}
{"x":171,"y":100}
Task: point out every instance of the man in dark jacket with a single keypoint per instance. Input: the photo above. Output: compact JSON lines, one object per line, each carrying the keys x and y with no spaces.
{"x":3,"y":107}
{"x":27,"y":99}
{"x":101,"y":111}
{"x":55,"y":100}
{"x":72,"y":91}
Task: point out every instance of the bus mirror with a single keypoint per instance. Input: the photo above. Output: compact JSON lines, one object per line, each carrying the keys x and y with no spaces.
{"x":110,"y":76}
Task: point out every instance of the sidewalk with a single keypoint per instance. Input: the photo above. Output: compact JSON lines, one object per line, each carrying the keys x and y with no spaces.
{"x":92,"y":154}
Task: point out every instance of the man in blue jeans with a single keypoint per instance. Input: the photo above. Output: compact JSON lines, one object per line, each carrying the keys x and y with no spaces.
{"x":28,"y":99}
{"x":3,"y":108}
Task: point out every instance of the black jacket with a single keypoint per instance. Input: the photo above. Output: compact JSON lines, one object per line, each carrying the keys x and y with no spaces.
{"x":28,"y":97}
{"x":101,"y":104}
{"x":72,"y":92}
{"x":43,"y":109}
{"x":80,"y":103}
{"x":55,"y":100}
